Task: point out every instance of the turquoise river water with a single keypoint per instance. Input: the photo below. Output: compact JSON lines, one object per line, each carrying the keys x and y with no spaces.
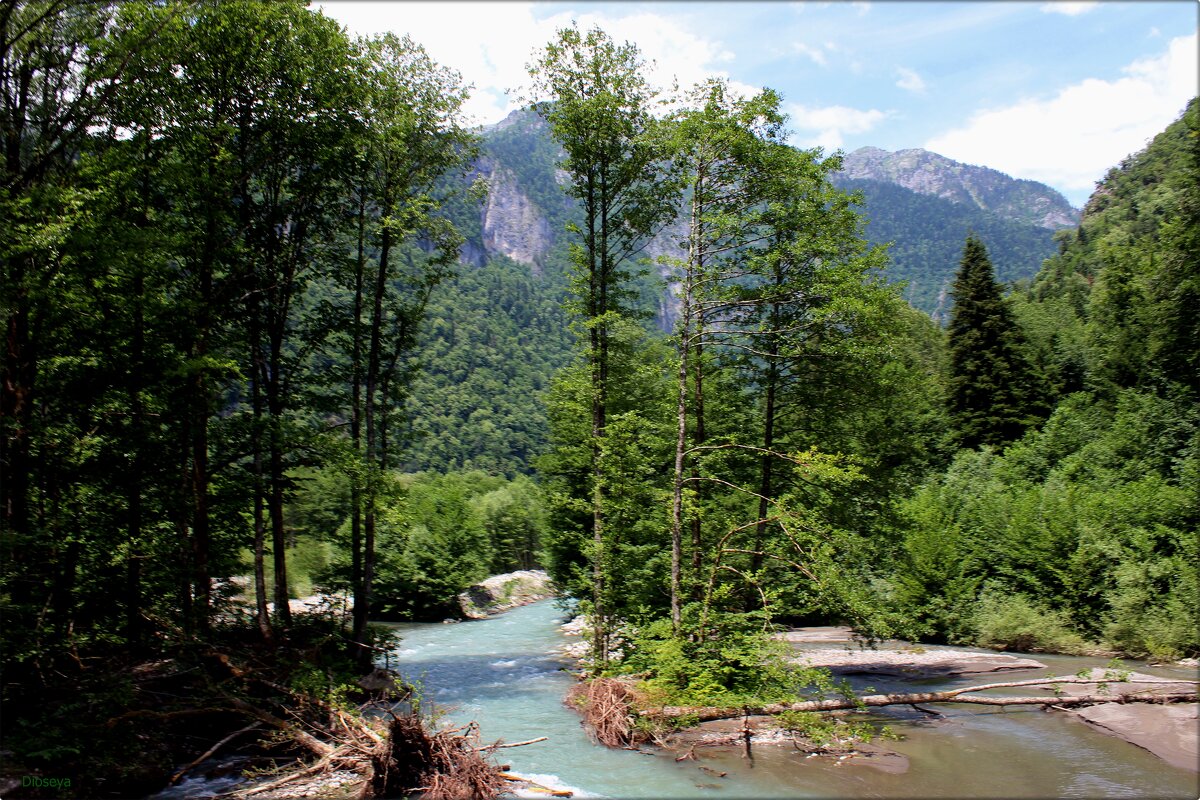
{"x":502,"y":673}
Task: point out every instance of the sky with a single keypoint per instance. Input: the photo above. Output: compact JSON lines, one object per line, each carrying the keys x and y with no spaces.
{"x":1056,"y":92}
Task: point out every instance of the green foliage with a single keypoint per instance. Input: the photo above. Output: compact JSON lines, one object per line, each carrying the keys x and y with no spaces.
{"x":992,"y":394}
{"x":737,"y":664}
{"x":925,"y":236}
{"x":1090,"y":519}
{"x":437,"y":535}
{"x":1006,"y":621}
{"x":824,"y":731}
{"x":493,"y":336}
{"x":637,"y":452}
{"x":515,"y":519}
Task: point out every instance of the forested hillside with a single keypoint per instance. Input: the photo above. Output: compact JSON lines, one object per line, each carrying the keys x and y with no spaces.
{"x":1086,"y":528}
{"x":497,"y":331}
{"x":926,"y":232}
{"x":266,"y":335}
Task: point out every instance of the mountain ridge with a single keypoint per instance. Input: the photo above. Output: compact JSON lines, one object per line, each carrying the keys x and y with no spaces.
{"x":920,"y":202}
{"x":925,"y":172}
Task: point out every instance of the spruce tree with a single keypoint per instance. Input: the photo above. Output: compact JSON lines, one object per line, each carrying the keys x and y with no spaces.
{"x":991,"y":384}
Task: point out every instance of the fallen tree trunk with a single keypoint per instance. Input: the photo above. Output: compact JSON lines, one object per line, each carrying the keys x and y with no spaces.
{"x":706,"y":713}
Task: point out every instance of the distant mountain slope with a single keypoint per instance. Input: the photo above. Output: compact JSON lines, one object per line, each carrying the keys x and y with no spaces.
{"x":926,"y":234}
{"x":495,"y":334}
{"x":928,"y":173}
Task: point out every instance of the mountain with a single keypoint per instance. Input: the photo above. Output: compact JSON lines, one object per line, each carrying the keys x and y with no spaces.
{"x":496,"y":333}
{"x":924,"y":205}
{"x":921,"y":203}
{"x":925,"y":234}
{"x":986,"y":189}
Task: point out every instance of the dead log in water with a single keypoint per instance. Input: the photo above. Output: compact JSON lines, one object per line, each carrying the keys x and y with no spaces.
{"x":963,"y":695}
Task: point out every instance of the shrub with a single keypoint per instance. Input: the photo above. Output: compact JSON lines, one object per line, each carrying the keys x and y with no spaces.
{"x":1007,"y":621}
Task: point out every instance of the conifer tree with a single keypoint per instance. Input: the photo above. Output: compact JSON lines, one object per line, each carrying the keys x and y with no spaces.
{"x":991,"y":383}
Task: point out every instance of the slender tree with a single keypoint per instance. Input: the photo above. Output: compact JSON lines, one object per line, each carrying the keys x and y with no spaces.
{"x":716,"y":144}
{"x":413,"y":137}
{"x":595,"y":97}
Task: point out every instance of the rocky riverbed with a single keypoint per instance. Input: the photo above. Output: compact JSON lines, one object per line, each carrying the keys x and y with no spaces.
{"x":1167,"y":730}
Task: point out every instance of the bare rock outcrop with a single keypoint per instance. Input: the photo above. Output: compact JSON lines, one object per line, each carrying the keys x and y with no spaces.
{"x":911,"y":664}
{"x":503,"y":592}
{"x":512,"y":223}
{"x":928,"y":173}
{"x":1169,"y":731}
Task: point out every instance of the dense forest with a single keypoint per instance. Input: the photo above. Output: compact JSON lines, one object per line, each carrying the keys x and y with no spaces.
{"x":926,"y":233}
{"x":252,"y":353}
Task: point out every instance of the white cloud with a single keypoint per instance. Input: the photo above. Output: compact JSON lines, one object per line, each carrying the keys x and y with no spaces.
{"x":490,"y":43}
{"x":861,"y":8}
{"x":505,"y":33}
{"x":814,"y":53}
{"x":1070,"y":8}
{"x":1071,"y":139}
{"x":825,"y":127}
{"x":676,"y":52}
{"x":909,"y":80}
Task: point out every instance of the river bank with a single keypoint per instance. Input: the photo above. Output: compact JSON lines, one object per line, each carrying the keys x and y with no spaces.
{"x":505,"y":673}
{"x":209,"y":776}
{"x":1169,"y":731}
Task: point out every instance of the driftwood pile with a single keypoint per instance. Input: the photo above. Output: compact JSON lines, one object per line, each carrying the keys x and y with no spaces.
{"x":395,"y":754}
{"x":607,"y":707}
{"x":394,"y":757}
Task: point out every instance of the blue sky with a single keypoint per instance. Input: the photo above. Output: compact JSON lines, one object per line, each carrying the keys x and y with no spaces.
{"x":1053,"y":91}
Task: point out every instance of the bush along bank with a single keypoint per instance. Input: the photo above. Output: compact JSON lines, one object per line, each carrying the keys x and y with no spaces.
{"x":294,"y":709}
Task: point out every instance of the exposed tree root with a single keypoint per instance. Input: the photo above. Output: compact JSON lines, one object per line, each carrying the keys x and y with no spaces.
{"x":607,"y":707}
{"x":446,"y":765}
{"x":395,"y":756}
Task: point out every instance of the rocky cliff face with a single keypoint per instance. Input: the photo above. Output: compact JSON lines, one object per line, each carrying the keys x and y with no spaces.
{"x":512,"y":224}
{"x":668,"y":244}
{"x":929,"y":173}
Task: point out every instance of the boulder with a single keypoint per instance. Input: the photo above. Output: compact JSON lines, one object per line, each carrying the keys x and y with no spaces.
{"x":503,"y":592}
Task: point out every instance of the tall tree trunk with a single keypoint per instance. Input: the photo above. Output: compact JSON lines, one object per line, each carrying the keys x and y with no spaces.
{"x":599,"y":423}
{"x":198,"y":485}
{"x":356,"y":410}
{"x":680,"y":450}
{"x":134,"y":476}
{"x":261,"y":613}
{"x":698,"y":377}
{"x":685,"y":336}
{"x":362,"y":600}
{"x":767,"y":464}
{"x":16,"y":415}
{"x":274,"y":385}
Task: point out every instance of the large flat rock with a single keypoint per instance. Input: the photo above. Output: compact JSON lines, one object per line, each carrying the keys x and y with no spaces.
{"x":1170,"y":731}
{"x":913,"y":663}
{"x":1104,"y":681}
{"x":827,"y":633}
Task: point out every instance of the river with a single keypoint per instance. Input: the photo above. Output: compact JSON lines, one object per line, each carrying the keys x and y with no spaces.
{"x":501,"y":673}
